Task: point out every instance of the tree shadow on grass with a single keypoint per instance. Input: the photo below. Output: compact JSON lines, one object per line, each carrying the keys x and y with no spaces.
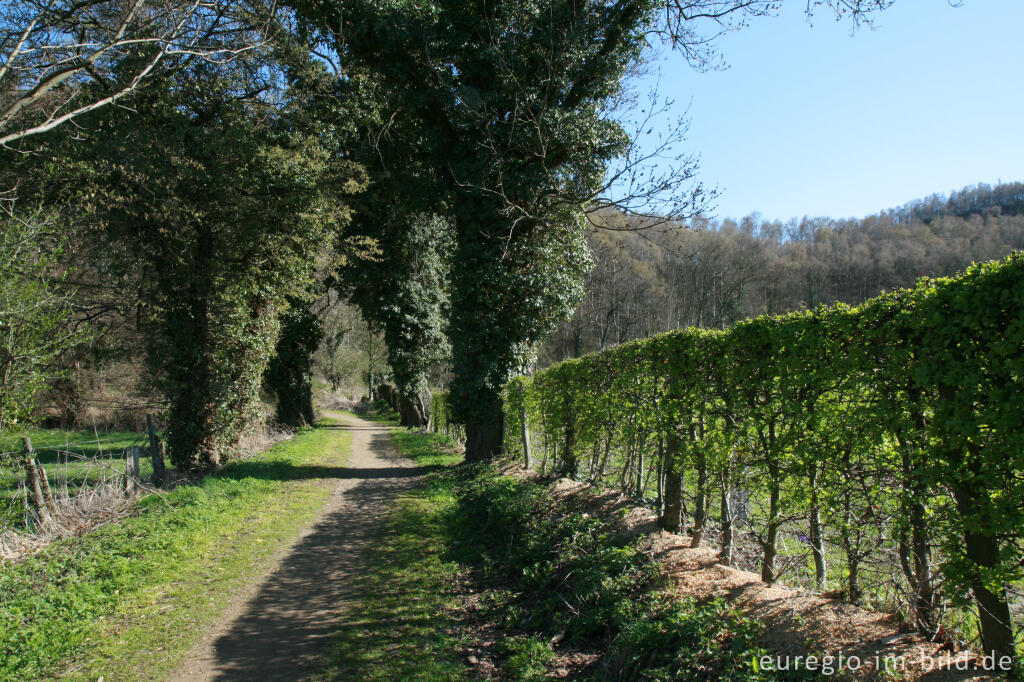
{"x":288,"y":622}
{"x":282,"y":471}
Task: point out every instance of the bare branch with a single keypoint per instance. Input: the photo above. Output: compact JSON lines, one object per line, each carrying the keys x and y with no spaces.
{"x":60,"y":59}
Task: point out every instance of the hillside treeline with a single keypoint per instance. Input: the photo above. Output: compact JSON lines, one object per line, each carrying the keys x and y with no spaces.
{"x":723,"y":271}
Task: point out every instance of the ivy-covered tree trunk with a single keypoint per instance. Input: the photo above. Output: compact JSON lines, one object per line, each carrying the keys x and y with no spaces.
{"x":183,"y":356}
{"x":482,"y":346}
{"x":508,"y":292}
{"x":290,"y":373}
{"x":484,"y":428}
{"x":414,"y":406}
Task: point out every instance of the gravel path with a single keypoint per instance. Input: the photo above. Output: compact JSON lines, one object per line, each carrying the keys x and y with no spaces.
{"x":278,"y":624}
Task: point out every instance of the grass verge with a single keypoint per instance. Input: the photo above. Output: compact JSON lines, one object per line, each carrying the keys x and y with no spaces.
{"x":127,"y":601}
{"x":477,"y":561}
{"x":404,"y":621}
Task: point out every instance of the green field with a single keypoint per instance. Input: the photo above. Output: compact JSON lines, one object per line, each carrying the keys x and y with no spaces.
{"x":72,"y":460}
{"x":128,"y":600}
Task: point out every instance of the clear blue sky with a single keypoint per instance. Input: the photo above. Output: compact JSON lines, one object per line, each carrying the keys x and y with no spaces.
{"x":811,"y":120}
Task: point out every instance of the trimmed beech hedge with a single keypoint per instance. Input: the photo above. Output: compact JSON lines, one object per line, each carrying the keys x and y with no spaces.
{"x":894,"y":429}
{"x":441,"y":417}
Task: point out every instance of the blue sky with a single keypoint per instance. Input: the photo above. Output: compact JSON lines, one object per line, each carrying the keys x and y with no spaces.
{"x":811,"y":120}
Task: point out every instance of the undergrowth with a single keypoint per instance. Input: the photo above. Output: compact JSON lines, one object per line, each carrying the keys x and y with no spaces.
{"x":570,"y":577}
{"x":546,"y":580}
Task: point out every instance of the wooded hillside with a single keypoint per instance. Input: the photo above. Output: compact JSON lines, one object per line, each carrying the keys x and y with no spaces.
{"x":719,"y":272}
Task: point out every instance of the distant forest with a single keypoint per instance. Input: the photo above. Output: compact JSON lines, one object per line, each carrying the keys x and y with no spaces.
{"x":721,"y":271}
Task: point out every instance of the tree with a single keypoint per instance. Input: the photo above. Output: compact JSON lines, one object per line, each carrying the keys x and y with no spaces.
{"x":403,"y":288}
{"x":336,"y":359}
{"x":219,"y":200}
{"x":62,"y":59}
{"x":519,"y":159}
{"x":290,"y":372}
{"x":34,"y":316}
{"x":517,"y":103}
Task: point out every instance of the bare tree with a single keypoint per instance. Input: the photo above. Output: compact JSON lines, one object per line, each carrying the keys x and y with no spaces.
{"x":60,"y":59}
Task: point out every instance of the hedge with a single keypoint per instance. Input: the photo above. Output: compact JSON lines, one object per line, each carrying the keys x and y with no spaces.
{"x":890,"y":435}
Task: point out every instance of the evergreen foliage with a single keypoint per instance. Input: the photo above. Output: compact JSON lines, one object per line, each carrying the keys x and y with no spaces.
{"x":214,"y":210}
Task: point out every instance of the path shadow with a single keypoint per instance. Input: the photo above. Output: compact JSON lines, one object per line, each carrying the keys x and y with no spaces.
{"x":284,"y":627}
{"x":271,"y":471}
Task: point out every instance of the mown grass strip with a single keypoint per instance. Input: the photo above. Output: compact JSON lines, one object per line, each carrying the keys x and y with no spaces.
{"x":127,"y":601}
{"x":402,"y":624}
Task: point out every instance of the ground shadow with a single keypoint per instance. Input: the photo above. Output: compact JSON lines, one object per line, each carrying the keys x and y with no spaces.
{"x":271,"y":471}
{"x":286,"y":625}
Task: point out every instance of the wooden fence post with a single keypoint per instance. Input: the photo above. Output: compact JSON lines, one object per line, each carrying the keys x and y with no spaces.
{"x":131,"y":470}
{"x":156,"y":452}
{"x":32,"y":484}
{"x":44,"y":484}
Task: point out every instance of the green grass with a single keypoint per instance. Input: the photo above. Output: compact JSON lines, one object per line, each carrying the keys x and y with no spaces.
{"x":403,"y":622}
{"x":127,"y":601}
{"x":71,"y":458}
{"x":539,"y":570}
{"x":49,"y":443}
{"x":381,"y":413}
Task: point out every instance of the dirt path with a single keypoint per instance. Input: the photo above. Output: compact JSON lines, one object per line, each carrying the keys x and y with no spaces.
{"x":278,"y":624}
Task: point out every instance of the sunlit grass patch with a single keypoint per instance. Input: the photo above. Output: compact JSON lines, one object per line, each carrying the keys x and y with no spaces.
{"x":404,"y":624}
{"x":127,"y":601}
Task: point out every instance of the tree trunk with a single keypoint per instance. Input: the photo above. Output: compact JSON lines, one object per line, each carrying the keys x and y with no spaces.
{"x":850,"y":549}
{"x":771,"y":540}
{"x":570,"y":463}
{"x":659,"y":501}
{"x":924,"y":592}
{"x":972,"y":492}
{"x":815,"y":535}
{"x":295,"y":406}
{"x":413,"y":410}
{"x":725,"y":553}
{"x":854,"y":592}
{"x":638,"y":491}
{"x":700,"y":512}
{"x":524,"y":432}
{"x":155,"y":452}
{"x":484,"y":431}
{"x":671,"y":518}
{"x":921,"y":580}
{"x":982,"y":549}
